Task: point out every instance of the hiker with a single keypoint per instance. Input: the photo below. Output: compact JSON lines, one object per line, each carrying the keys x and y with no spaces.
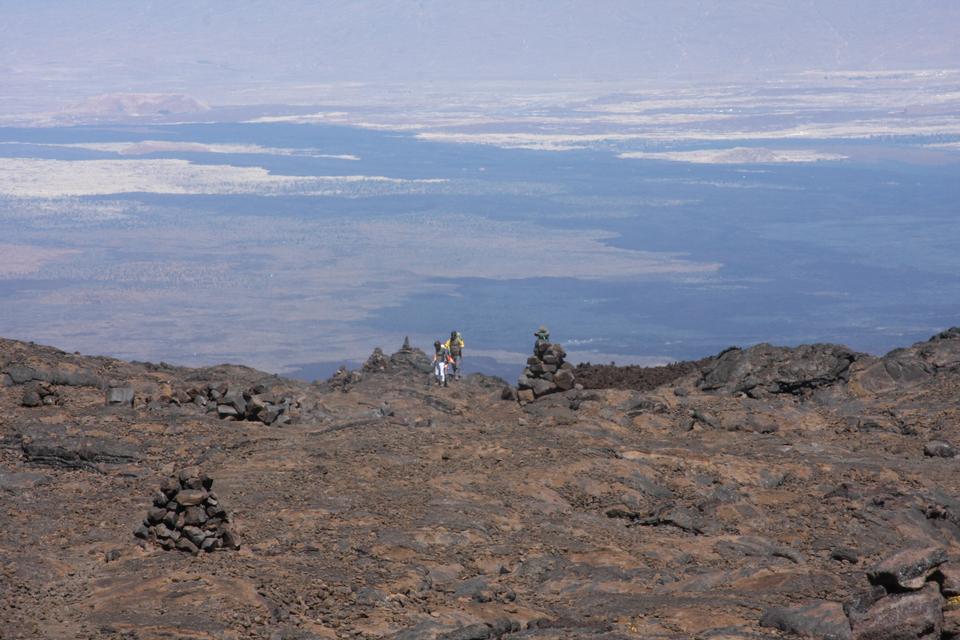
{"x":455,"y":346}
{"x":543,"y":337}
{"x":441,"y":358}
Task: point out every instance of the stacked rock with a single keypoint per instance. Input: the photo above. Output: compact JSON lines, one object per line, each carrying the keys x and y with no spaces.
{"x":546,"y":372}
{"x":255,"y":403}
{"x":188,"y":516}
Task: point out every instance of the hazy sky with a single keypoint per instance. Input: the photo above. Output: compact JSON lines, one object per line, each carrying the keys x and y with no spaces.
{"x":283,"y":41}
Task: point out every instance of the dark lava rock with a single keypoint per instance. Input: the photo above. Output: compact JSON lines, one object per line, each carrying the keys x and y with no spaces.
{"x":939,"y":449}
{"x":193,"y":518}
{"x":31,"y":398}
{"x":53,"y":447}
{"x":909,"y":616}
{"x":610,"y":376}
{"x":902,"y":368}
{"x":20,"y":374}
{"x":907,"y":569}
{"x":817,"y":619}
{"x":765,"y":369}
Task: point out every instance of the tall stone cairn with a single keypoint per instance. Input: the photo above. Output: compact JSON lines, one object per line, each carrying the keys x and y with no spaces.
{"x":188,"y":516}
{"x":546,"y":372}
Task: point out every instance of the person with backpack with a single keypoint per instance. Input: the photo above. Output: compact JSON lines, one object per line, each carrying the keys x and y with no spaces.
{"x":455,"y":346}
{"x":441,"y":359}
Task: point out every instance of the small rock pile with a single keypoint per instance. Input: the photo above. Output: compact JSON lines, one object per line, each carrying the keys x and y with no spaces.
{"x":914,"y":594}
{"x":407,"y":361}
{"x":546,"y":372}
{"x":188,"y":516}
{"x":37,"y":393}
{"x":256,"y":403}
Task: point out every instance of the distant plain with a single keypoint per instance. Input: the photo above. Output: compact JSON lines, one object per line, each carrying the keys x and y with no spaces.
{"x":641,"y":226}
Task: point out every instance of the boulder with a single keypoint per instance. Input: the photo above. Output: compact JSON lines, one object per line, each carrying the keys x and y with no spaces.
{"x":194,"y":516}
{"x":190,"y":497}
{"x":910,"y":616}
{"x":542,"y":387}
{"x":234,"y":398}
{"x":817,"y":619}
{"x":939,"y":449}
{"x":269,"y":414}
{"x":564,"y":380}
{"x":31,"y":398}
{"x":156,"y":514}
{"x":908,"y":569}
{"x":764,"y":369}
{"x":19,"y":374}
{"x":904,"y":368}
{"x":227,"y":411}
{"x":52,"y":446}
{"x":119,"y":395}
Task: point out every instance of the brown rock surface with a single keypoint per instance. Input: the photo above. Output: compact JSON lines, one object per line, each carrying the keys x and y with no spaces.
{"x":391,"y":509}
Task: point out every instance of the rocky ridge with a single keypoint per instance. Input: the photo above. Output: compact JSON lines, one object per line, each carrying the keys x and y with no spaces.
{"x":766,"y":492}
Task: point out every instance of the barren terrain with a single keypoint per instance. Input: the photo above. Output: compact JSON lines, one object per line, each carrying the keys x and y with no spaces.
{"x":385,"y":507}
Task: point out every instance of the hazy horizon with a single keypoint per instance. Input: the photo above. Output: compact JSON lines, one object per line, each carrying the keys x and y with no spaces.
{"x":64,"y":51}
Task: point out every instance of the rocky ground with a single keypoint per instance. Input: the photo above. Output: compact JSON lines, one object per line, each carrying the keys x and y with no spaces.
{"x":762,"y":493}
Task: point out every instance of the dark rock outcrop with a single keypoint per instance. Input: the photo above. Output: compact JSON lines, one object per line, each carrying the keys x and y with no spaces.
{"x":765,"y":370}
{"x":52,"y":446}
{"x":910,"y":616}
{"x":910,"y":366}
{"x":907,"y":570}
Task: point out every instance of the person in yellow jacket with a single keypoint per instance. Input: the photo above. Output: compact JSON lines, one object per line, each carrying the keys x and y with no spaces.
{"x":455,"y":347}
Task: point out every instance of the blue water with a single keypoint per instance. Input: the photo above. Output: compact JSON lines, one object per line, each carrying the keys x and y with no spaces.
{"x":859,"y":253}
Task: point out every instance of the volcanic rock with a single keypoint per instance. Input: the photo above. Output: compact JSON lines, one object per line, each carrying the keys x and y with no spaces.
{"x":939,"y":449}
{"x":581,"y":514}
{"x":188,"y":518}
{"x":908,"y":569}
{"x":817,"y":619}
{"x":764,"y":369}
{"x":910,"y":616}
{"x":50,"y":445}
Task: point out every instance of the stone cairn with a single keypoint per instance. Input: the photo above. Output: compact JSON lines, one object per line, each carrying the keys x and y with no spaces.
{"x":188,"y":516}
{"x":257,"y":403}
{"x":546,"y":372}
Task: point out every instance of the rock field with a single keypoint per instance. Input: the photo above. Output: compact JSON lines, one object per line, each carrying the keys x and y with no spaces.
{"x":766,"y":492}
